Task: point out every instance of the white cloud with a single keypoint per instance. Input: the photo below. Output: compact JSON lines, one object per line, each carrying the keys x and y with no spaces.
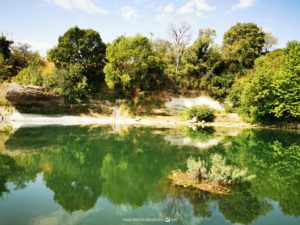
{"x":84,"y":5}
{"x":129,"y":14}
{"x":197,"y":7}
{"x":165,"y":14}
{"x":243,"y":4}
{"x":168,"y":8}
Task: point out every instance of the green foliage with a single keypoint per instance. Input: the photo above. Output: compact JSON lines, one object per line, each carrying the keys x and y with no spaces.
{"x":21,"y":57}
{"x":201,"y":112}
{"x":218,"y":86}
{"x":287,"y":85}
{"x":243,"y":43}
{"x":70,"y":82}
{"x":197,"y":169}
{"x":30,"y":75}
{"x":5,"y":54}
{"x":218,"y":171}
{"x":271,"y":92}
{"x":132,"y":64}
{"x":84,"y":47}
{"x":3,"y":68}
{"x":5,"y":47}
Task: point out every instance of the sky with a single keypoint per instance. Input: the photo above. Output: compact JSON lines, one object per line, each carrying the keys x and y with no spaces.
{"x":40,"y":22}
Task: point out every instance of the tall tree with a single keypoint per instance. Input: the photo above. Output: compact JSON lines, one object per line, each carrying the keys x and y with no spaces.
{"x":243,"y":43}
{"x":132,"y":64}
{"x":180,"y":35}
{"x":287,"y":85}
{"x":84,"y":47}
{"x":271,"y":92}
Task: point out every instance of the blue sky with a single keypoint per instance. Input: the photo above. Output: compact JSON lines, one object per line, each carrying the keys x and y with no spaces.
{"x":40,"y":22}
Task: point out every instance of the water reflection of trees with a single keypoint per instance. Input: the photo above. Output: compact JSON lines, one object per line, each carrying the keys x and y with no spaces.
{"x":80,"y":164}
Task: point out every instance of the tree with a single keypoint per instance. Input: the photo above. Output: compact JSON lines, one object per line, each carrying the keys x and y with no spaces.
{"x":271,"y":92}
{"x":5,"y":47}
{"x":287,"y":85}
{"x":270,"y":41}
{"x":4,"y":56}
{"x":257,"y":94}
{"x":84,"y":47}
{"x":180,"y":36}
{"x":243,"y":43}
{"x":132,"y":64}
{"x":201,"y":59}
{"x":20,"y":58}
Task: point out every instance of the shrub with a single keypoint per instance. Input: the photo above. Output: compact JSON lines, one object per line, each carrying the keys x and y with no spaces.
{"x":225,"y":174}
{"x":30,"y":75}
{"x":197,"y":169}
{"x":219,"y":172}
{"x":202,"y":112}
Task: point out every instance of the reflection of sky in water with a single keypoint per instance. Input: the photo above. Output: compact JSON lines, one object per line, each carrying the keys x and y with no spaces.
{"x":182,"y":140}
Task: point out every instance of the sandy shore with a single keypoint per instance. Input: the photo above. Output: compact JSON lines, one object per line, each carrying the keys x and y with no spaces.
{"x":18,"y":120}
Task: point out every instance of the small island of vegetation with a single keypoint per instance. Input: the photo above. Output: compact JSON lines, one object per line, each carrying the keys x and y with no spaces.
{"x":214,"y":176}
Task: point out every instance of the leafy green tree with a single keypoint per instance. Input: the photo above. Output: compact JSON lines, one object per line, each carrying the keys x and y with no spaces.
{"x":201,"y":59}
{"x":84,"y":47}
{"x":243,"y":43}
{"x":5,"y":47}
{"x":287,"y":85}
{"x":255,"y":94}
{"x":132,"y":65}
{"x":270,"y":92}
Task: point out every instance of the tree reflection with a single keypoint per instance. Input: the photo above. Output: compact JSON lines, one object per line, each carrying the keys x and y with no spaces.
{"x":80,"y":164}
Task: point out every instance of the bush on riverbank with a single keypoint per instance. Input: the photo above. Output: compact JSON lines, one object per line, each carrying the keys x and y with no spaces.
{"x":202,"y":112}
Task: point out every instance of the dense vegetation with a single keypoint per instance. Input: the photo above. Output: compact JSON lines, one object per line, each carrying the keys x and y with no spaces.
{"x":244,"y":72}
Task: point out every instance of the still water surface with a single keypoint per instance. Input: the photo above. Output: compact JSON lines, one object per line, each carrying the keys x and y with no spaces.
{"x":117,"y":175}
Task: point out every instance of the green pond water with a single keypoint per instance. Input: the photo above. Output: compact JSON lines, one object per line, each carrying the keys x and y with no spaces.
{"x":117,"y":175}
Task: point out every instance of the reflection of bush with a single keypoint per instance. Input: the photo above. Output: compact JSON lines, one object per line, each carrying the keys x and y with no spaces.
{"x":202,"y":134}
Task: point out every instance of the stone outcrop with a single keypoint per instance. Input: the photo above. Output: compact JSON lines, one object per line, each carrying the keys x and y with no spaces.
{"x":34,"y":99}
